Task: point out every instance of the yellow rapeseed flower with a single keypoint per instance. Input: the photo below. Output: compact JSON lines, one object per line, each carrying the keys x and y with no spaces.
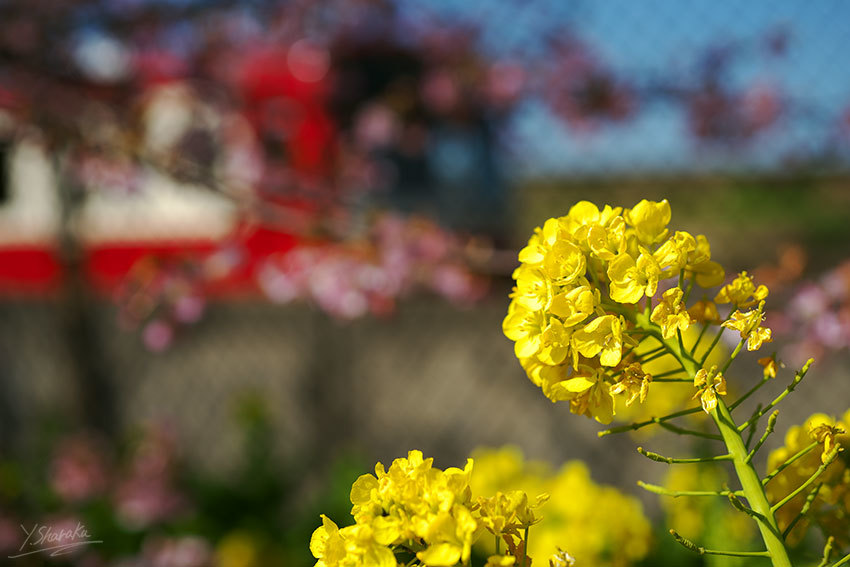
{"x":825,"y":434}
{"x":649,"y":220}
{"x":830,"y":509}
{"x":633,"y":382}
{"x":603,"y":337}
{"x":770,"y":365}
{"x":704,"y":311}
{"x":706,"y":272}
{"x":742,"y":292}
{"x":632,"y":279}
{"x":670,"y":314}
{"x":709,"y":384}
{"x":749,"y":325}
{"x":582,"y":287}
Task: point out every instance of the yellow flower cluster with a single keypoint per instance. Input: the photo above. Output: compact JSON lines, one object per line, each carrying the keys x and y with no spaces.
{"x":830,"y":509}
{"x":676,"y":394}
{"x":575,"y":302}
{"x":585,"y":522}
{"x":416,"y":514}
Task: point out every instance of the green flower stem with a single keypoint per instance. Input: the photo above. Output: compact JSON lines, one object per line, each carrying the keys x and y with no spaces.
{"x":682,"y":431}
{"x":797,"y":378}
{"x":771,"y":423}
{"x":525,"y":549}
{"x":713,"y":344}
{"x":736,"y":502}
{"x":843,"y":561}
{"x":752,"y":432}
{"x":804,"y":510}
{"x":703,"y":551}
{"x":641,"y":424}
{"x":699,"y":338}
{"x":796,"y":456}
{"x":753,"y":489}
{"x":654,"y":488}
{"x":664,"y":352}
{"x":732,"y":356}
{"x":752,"y":486}
{"x":658,"y":377}
{"x":671,"y":461}
{"x":831,"y":457}
{"x":749,"y":393}
{"x":682,"y":344}
{"x":690,"y":288}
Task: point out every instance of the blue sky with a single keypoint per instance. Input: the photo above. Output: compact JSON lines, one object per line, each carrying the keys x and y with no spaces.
{"x":655,"y":38}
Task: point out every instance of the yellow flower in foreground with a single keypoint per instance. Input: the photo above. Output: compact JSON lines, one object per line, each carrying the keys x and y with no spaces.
{"x":525,"y":327}
{"x":575,"y":305}
{"x":533,"y":290}
{"x":634,"y":382}
{"x":416,"y":507}
{"x":581,"y":290}
{"x":749,"y":325}
{"x":606,"y":242}
{"x":591,"y":395}
{"x":709,"y":384}
{"x":508,"y":513}
{"x":326,"y":544}
{"x":595,"y":524}
{"x":564,"y":262}
{"x":742,"y":292}
{"x":632,"y":279}
{"x":650,"y":220}
{"x":671,"y":314}
{"x":770,"y":365}
{"x":673,"y":254}
{"x":604,"y":337}
{"x":706,"y":272}
{"x":825,"y":434}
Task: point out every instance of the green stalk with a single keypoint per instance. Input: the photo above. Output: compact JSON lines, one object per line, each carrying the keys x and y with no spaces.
{"x":751,"y":485}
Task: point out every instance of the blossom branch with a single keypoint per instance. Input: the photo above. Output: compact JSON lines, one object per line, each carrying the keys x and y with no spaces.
{"x":795,"y":457}
{"x":654,"y":488}
{"x":803,"y":511}
{"x":688,"y":544}
{"x":830,"y":457}
{"x":672,"y":461}
{"x":771,"y":423}
{"x":798,"y":377}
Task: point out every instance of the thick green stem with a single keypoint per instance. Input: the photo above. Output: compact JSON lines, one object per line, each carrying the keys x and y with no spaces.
{"x":752,"y":486}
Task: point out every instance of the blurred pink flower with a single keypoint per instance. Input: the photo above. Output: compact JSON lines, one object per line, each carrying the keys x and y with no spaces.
{"x":147,"y":494}
{"x":10,"y":534}
{"x":185,"y":551}
{"x":809,"y":302}
{"x":78,"y":470}
{"x":157,"y":335}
